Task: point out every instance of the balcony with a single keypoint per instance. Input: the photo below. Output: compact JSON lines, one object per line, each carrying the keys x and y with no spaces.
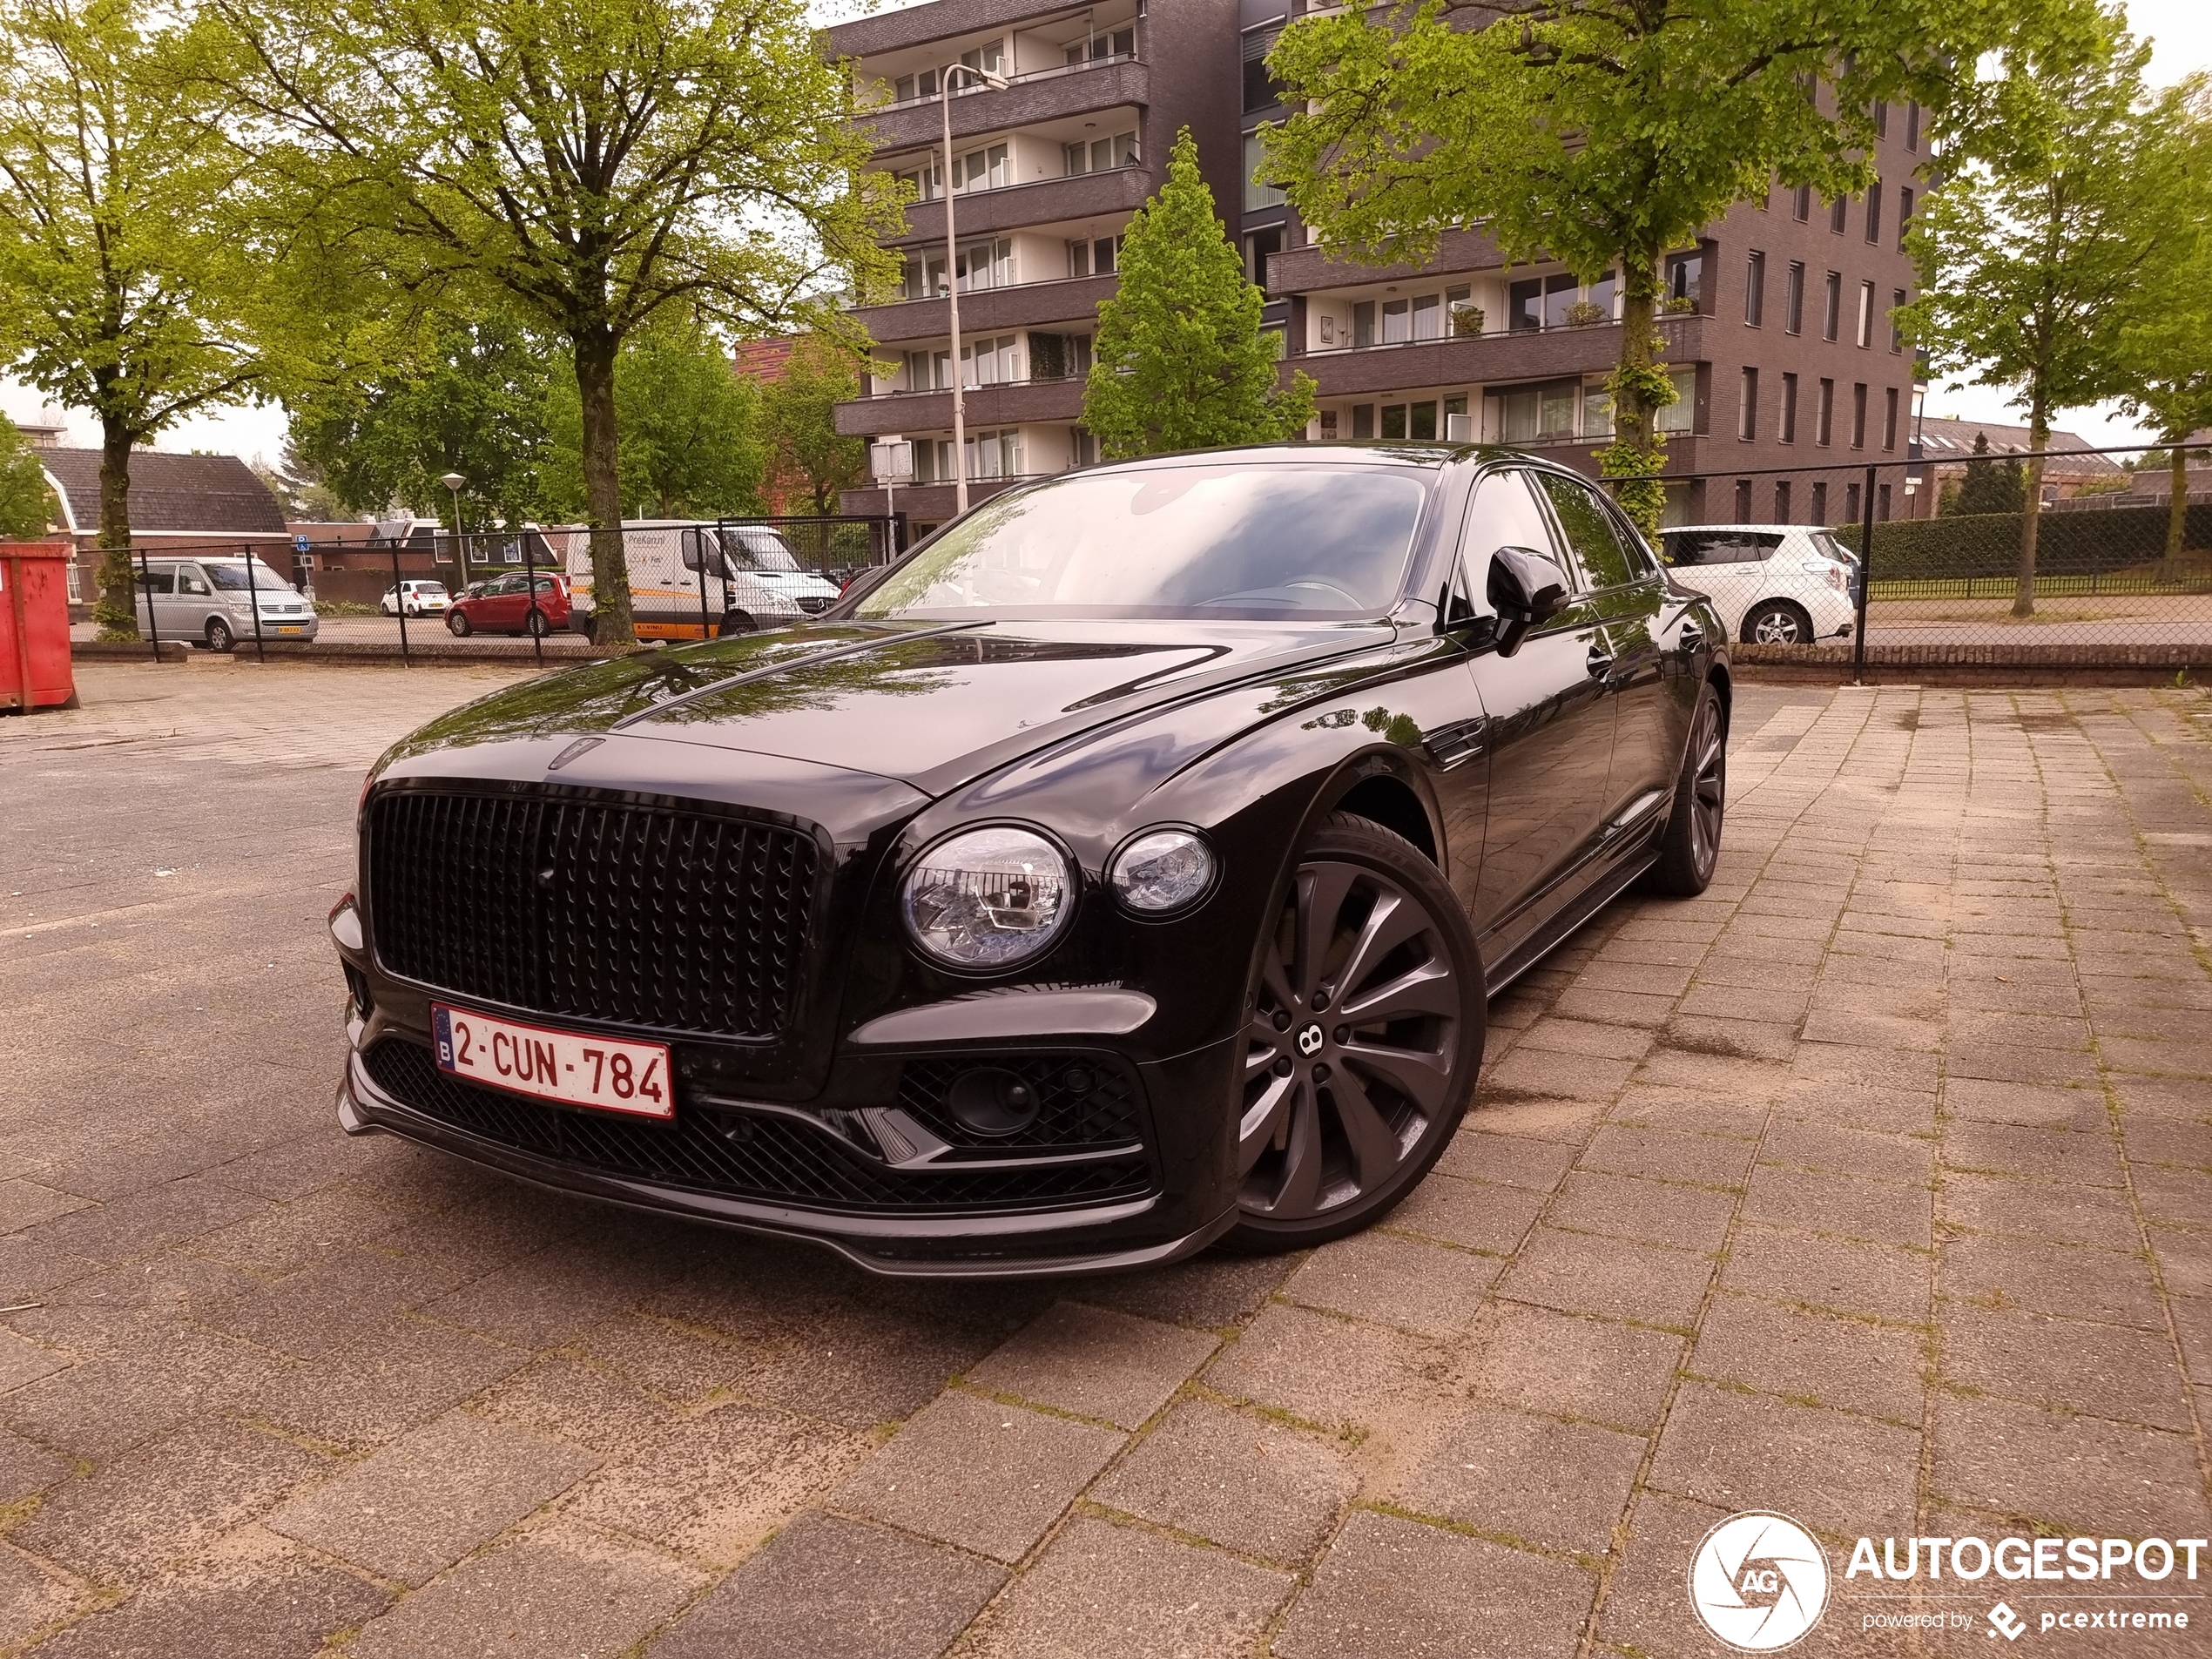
{"x":891,"y":32}
{"x":1049,"y":95}
{"x":1494,"y":356}
{"x":1305,"y":270}
{"x":1002,"y":403}
{"x":981,"y":212}
{"x":984,"y":311}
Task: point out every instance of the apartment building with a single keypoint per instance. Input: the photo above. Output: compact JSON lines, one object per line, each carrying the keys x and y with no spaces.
{"x":1777,"y":326}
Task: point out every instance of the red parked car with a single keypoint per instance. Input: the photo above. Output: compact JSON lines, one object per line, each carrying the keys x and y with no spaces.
{"x":502,"y":606}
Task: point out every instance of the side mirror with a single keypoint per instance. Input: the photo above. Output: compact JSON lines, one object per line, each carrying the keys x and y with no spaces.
{"x":1527,"y":588}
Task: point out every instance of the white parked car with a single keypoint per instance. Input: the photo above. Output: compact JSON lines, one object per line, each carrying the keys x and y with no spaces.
{"x":1773,"y":584}
{"x":420,"y":598}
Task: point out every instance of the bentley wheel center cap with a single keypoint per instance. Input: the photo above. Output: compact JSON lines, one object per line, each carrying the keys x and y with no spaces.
{"x":1310,"y":1040}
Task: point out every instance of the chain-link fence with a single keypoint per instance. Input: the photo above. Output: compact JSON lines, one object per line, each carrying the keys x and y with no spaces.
{"x":1935,"y":561}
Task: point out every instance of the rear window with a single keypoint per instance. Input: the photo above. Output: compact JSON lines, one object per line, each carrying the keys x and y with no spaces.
{"x":1720,"y":547}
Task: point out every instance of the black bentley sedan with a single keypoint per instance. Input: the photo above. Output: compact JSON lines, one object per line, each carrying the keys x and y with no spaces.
{"x":1124,"y":869}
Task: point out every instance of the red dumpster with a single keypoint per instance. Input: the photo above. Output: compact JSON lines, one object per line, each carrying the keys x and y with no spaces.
{"x":34,"y":627}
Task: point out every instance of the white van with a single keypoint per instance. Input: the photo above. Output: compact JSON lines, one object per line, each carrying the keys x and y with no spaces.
{"x":761,"y":551}
{"x":681,"y":584}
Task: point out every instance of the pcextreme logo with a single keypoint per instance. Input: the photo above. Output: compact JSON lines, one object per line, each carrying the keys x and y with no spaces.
{"x":1759,"y":1583}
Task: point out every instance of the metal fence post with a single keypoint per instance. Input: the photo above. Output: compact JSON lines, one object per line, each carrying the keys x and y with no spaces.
{"x":254,"y":603}
{"x":1866,"y":581}
{"x":153,"y":623}
{"x":699,"y":548}
{"x":533,"y":619}
{"x":399,"y":603}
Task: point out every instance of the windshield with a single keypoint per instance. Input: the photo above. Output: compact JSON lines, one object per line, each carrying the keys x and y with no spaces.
{"x":755,"y":548}
{"x":232,"y":577}
{"x":1205,"y":540}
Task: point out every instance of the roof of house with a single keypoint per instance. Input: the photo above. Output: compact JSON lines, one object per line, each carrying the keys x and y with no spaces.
{"x":194,"y":494}
{"x":1948,"y":441}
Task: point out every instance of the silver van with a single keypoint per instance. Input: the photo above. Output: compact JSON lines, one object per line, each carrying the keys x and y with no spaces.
{"x":212,"y":601}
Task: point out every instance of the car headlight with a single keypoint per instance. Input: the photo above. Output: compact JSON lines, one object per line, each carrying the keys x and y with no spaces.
{"x":990,"y":898}
{"x":1161,"y":871}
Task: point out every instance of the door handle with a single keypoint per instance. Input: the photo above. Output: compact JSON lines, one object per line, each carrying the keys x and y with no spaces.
{"x":1600,"y":662}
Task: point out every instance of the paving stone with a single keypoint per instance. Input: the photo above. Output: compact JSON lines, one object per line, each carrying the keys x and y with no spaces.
{"x":2179,"y":1198}
{"x":1213,"y":1290}
{"x":1820,"y":1358}
{"x":1101,"y":1591}
{"x":1239,"y":1479}
{"x":713,"y":1485}
{"x":324,"y":1306}
{"x":33,"y":1597}
{"x":1331,"y":1370}
{"x":1476,"y":1214}
{"x":1396,"y":1587}
{"x":2031,"y":1105}
{"x":2041,"y":1212}
{"x":1421,"y":1286}
{"x":1844,"y":1275}
{"x":2090,"y":1158}
{"x":2066,"y":1279}
{"x":1879,"y":1211}
{"x":1095,"y":1361}
{"x":26,"y":1467}
{"x":1828,"y":1469}
{"x":1539,"y":1479}
{"x":559,"y":1589}
{"x":1612,"y":1278}
{"x":424,"y":1501}
{"x":590,"y":1405}
{"x":986,"y":1477}
{"x":1656,"y":1213}
{"x":393,"y":1377}
{"x":1598,"y":1370}
{"x":23,"y":1361}
{"x":829,"y":1588}
{"x":2103,"y":1370}
{"x":1795,"y":1143}
{"x":2078,"y":1473}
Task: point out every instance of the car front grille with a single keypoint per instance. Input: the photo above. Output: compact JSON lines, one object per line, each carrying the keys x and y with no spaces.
{"x":1082,"y":1101}
{"x":753,"y":1156}
{"x":634,"y":914}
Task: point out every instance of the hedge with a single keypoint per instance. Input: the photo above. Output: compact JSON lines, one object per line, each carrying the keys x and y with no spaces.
{"x":1988,"y":544}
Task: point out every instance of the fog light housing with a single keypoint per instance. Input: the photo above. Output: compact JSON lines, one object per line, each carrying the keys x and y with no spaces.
{"x":992,"y":1102}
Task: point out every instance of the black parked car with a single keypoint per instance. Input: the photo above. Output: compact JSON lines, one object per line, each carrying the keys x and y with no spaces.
{"x":1124,"y":869}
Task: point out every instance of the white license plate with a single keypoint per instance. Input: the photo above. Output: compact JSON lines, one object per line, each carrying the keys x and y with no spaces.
{"x":535,"y":1060}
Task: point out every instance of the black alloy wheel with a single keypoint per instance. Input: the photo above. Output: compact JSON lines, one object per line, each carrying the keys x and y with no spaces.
{"x":457,"y":623}
{"x":1777,"y":622}
{"x":1691,"y":843}
{"x":1363,"y":1042}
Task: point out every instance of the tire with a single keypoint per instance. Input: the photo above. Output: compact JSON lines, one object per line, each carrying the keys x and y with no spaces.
{"x":1690,"y":844}
{"x":457,"y":623}
{"x":219,"y":635}
{"x":736,"y":622}
{"x":589,"y":627}
{"x":1777,"y":622}
{"x":534,"y":625}
{"x":1338,"y":1123}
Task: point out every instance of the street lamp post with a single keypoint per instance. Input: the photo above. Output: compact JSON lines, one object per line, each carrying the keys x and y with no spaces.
{"x":453,"y":480}
{"x":952,"y":278}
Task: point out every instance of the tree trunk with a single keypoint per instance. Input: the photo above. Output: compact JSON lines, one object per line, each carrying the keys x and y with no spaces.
{"x":1637,"y":384}
{"x":612,"y":623}
{"x":2177,"y":511}
{"x":117,"y":611}
{"x":2039,"y":438}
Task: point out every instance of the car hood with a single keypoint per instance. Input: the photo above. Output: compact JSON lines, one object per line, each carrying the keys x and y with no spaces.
{"x":932,"y":704}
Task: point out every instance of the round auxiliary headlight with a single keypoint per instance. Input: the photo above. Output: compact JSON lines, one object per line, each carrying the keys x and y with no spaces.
{"x":1161,"y":871}
{"x":989,"y":899}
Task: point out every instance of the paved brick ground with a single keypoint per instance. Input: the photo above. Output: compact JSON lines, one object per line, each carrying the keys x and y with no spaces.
{"x":1874,"y":1187}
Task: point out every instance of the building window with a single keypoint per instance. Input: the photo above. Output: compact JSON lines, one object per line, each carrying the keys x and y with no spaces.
{"x":985,"y":169}
{"x":1120,"y":43}
{"x":986,"y":264}
{"x":1397,"y":328}
{"x":1525,"y":305}
{"x":1819,"y":513}
{"x":1328,"y":419}
{"x":1530,"y":414}
{"x":1258,"y":248}
{"x":1393,"y":421}
{"x":1865,"y":335}
{"x":1597,"y":411}
{"x":1889,"y":418}
{"x":1897,"y":323}
{"x":1680,"y":416}
{"x":1743,"y":500}
{"x":1913,"y":127}
{"x":927,"y":181}
{"x":1747,"y":410}
{"x":1685,"y":278}
{"x":1824,"y":419}
{"x":991,"y":363}
{"x":1874,"y":211}
{"x":1850,"y":503}
{"x":1754,"y":288}
{"x":1059,"y":357}
{"x":1261,"y":91}
{"x":1831,"y":317}
{"x":994,"y":454}
{"x":1083,"y":446}
{"x":1903,"y":214}
{"x":1363,"y":325}
{"x":924,"y":280}
{"x":1793,"y":298}
{"x":1859,"y":416}
{"x":1100,"y":155}
{"x":1363,"y":420}
{"x":1094,"y":259}
{"x":1258,"y":194}
{"x":1882,"y":503}
{"x":1782,"y":501}
{"x":1801,"y":204}
{"x":1789,"y":408}
{"x":1881,"y":118}
{"x":1838,"y":214}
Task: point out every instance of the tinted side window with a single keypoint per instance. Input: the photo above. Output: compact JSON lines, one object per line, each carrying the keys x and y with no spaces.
{"x":1588,"y":531}
{"x":1503,"y":514}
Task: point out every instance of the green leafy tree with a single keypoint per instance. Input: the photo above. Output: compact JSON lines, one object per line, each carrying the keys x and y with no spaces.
{"x":27,"y":504}
{"x":469,"y":398}
{"x":800,"y":409}
{"x":1602,"y":134}
{"x":2057,"y":188}
{"x":2165,"y":351}
{"x":125,"y":284}
{"x":1180,"y":362}
{"x":1991,"y":486}
{"x":691,"y":444}
{"x":591,"y":165}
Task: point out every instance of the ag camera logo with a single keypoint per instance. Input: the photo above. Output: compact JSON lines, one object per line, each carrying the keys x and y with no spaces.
{"x":1759,"y":1583}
